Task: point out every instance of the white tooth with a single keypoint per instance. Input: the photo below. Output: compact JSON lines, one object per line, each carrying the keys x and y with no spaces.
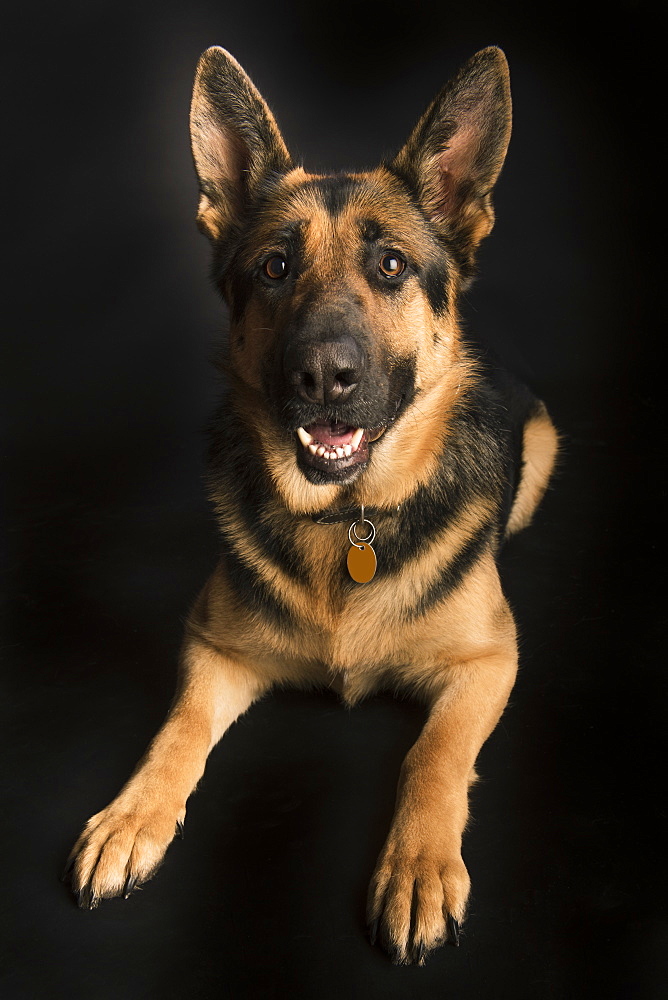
{"x":347,"y":451}
{"x":313,"y":448}
{"x":320,"y":450}
{"x":304,"y":436}
{"x":330,"y":454}
{"x":340,"y":452}
{"x":356,"y":438}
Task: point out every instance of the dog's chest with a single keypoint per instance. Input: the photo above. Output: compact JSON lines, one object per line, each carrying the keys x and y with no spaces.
{"x":356,"y":635}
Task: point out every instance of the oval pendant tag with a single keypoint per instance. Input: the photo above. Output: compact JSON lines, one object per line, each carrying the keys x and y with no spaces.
{"x":361,"y":563}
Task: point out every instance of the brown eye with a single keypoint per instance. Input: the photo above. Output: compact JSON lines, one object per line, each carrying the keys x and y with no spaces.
{"x":276,"y":266}
{"x":391,"y":265}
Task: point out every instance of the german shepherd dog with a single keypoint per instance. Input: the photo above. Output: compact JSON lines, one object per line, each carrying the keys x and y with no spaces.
{"x":366,"y":467}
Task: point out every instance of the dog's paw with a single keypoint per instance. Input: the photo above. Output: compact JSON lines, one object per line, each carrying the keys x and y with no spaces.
{"x":119,"y":848}
{"x":417,"y":901}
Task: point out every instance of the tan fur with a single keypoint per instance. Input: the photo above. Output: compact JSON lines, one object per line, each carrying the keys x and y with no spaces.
{"x":539,"y":453}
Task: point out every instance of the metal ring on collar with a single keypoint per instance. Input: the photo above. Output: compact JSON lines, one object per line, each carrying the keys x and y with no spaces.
{"x":357,"y":540}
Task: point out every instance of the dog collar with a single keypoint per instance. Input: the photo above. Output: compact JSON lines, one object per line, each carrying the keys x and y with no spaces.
{"x":353,"y":513}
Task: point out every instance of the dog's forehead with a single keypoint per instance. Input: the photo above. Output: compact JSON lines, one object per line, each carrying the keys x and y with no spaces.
{"x":341,"y":211}
{"x":341,"y":194}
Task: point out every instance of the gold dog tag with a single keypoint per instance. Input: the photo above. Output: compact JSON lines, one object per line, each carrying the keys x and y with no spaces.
{"x":361,"y":563}
{"x":361,"y":557}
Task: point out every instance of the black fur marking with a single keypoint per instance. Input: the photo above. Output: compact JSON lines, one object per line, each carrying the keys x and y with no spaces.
{"x":241,"y":289}
{"x":275,"y":540}
{"x":424,"y":513}
{"x":251,"y":589}
{"x":236,"y":471}
{"x":520,"y":405}
{"x":372,"y":231}
{"x":434,"y":282}
{"x":335,"y":192}
{"x":452,"y":574}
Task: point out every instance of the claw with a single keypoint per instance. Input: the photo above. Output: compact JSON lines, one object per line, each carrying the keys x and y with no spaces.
{"x":130,"y":883}
{"x":86,"y":897}
{"x":179,"y":829}
{"x":420,"y":953}
{"x":67,"y":870}
{"x":396,"y":956}
{"x":453,"y":931}
{"x":373,"y":931}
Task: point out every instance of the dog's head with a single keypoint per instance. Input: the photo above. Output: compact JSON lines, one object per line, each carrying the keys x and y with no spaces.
{"x":342,"y":289}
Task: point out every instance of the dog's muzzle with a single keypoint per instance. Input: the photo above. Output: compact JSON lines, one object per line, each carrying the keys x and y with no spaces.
{"x":326,"y":373}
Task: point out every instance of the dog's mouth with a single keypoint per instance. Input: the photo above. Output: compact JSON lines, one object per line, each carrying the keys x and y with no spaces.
{"x":334,"y":448}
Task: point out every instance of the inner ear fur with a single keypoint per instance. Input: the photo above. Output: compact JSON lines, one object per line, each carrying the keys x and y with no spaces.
{"x":455,"y":152}
{"x":236,"y":142}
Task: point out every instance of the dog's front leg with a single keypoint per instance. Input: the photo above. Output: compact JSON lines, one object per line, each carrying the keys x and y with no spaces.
{"x":419,"y":889}
{"x":123,"y":845}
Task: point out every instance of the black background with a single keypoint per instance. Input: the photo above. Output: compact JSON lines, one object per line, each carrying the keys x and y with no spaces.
{"x":109,"y":323}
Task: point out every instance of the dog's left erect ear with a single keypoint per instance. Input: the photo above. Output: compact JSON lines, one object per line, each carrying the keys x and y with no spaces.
{"x":455,"y":152}
{"x":236,"y":143}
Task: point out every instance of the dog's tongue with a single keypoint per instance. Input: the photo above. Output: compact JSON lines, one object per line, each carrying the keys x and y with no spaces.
{"x":338,"y":435}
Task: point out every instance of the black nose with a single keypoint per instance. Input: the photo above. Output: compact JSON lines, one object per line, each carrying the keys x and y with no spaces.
{"x":325,"y":371}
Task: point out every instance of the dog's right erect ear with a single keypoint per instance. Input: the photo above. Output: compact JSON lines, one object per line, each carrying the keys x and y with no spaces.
{"x":235,"y":140}
{"x":455,"y":152}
